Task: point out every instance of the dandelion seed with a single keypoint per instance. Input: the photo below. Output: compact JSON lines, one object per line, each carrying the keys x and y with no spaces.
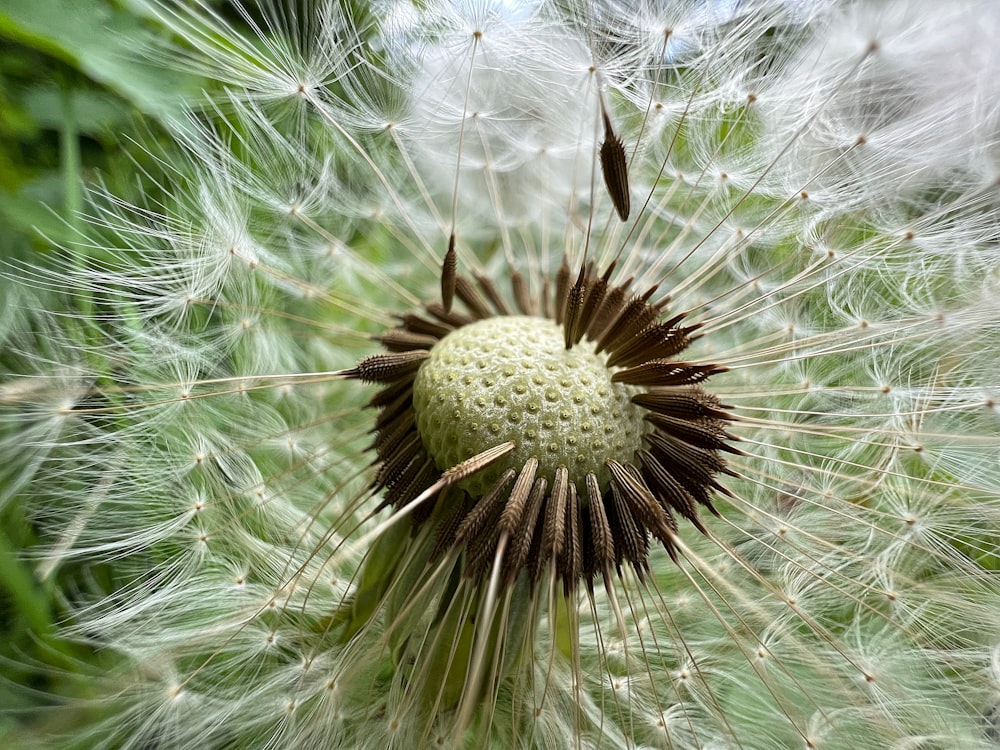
{"x":723,"y":475}
{"x":614,"y":166}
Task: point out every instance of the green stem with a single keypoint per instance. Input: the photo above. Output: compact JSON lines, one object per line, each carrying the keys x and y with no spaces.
{"x":72,"y":176}
{"x":29,"y":598}
{"x":25,"y":593}
{"x":69,"y":157}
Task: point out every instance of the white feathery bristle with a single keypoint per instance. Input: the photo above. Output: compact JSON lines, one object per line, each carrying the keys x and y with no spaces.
{"x":813,"y":183}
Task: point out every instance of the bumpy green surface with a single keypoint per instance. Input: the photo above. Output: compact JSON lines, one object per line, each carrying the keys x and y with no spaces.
{"x":511,"y":378}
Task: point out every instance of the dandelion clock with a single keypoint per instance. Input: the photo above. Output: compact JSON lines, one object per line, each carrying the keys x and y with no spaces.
{"x":559,"y":375}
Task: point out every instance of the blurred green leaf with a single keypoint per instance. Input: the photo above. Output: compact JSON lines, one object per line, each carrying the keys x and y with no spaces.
{"x":29,"y":216}
{"x":97,"y":114}
{"x":104,"y":42}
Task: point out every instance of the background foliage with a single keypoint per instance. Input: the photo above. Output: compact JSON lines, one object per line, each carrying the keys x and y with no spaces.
{"x":81,"y":87}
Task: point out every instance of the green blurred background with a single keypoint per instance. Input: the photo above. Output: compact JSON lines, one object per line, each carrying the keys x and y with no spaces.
{"x":86,"y":90}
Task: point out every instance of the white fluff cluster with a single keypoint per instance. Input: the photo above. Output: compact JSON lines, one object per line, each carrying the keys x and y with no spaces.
{"x":813,"y":182}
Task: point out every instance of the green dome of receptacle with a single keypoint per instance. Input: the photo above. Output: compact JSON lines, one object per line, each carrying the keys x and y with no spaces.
{"x":511,"y":378}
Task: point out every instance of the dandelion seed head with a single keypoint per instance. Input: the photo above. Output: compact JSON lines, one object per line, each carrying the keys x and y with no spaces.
{"x":794,"y":543}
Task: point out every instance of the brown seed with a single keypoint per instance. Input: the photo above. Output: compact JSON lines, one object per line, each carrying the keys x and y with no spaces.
{"x":448,"y":271}
{"x":492,"y":294}
{"x":485,"y":508}
{"x":553,"y":531}
{"x":562,"y":291}
{"x":388,"y":368}
{"x":632,"y":318}
{"x":476,"y":463}
{"x":571,"y":565}
{"x":510,"y":519}
{"x":664,"y":372}
{"x":521,"y":296}
{"x":401,"y":340}
{"x":687,"y":403}
{"x":574,"y":311}
{"x":471,"y":299}
{"x":614,"y":166}
{"x":524,"y":538}
{"x":631,"y":542}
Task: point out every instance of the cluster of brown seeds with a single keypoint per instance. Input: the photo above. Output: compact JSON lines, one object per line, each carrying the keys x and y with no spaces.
{"x":528,"y":522}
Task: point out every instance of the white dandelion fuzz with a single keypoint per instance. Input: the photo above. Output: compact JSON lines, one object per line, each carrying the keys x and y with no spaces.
{"x":536,"y":375}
